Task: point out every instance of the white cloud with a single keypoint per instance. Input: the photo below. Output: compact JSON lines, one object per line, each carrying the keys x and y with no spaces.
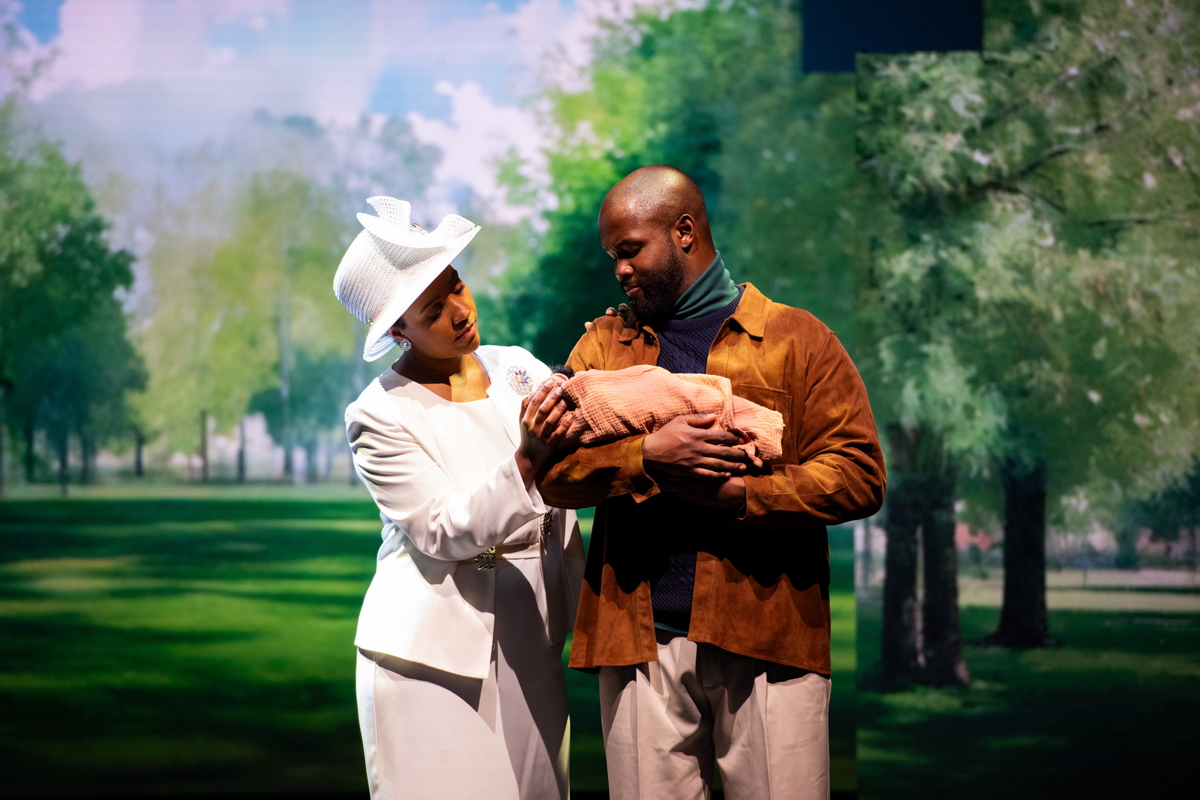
{"x":137,"y":82}
{"x":165,"y":49}
{"x":97,"y":46}
{"x":553,"y":46}
{"x":478,"y":134}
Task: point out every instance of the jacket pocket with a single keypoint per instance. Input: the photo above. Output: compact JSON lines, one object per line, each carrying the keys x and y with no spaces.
{"x":776,"y":400}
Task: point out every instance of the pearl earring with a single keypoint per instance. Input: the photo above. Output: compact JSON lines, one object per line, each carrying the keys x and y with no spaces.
{"x":405,"y":345}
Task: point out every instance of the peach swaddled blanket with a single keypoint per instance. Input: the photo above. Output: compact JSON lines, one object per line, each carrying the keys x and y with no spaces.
{"x":613,"y":404}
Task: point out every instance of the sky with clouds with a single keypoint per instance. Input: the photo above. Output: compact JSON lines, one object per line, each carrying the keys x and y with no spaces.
{"x":132,"y":83}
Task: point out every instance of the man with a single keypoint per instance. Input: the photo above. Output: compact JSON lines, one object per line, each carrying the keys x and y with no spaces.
{"x":705,"y":602}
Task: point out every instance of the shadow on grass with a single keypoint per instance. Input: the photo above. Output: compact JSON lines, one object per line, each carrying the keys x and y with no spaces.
{"x":1089,"y":717}
{"x":204,"y":646}
{"x":205,"y":736}
{"x":89,"y":705}
{"x":109,"y":512}
{"x":198,"y":646}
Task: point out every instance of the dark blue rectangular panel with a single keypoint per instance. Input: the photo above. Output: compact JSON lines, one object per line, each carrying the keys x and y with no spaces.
{"x":835,"y":30}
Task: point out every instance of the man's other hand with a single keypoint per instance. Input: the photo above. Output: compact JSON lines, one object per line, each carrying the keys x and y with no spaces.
{"x":710,"y":492}
{"x":690,"y":446}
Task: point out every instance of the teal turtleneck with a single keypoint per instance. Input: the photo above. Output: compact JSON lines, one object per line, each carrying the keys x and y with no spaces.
{"x":713,"y":290}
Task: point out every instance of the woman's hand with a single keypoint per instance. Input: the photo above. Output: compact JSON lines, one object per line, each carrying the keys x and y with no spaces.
{"x":545,"y":420}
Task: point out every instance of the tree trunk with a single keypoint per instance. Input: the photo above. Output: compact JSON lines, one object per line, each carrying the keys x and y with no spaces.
{"x":866,"y":559}
{"x":285,"y":365}
{"x":30,"y":453}
{"x":204,"y":447}
{"x":241,"y":456}
{"x":138,"y":443}
{"x":87,"y":452}
{"x":1023,"y":618}
{"x":63,"y":458}
{"x":941,"y":630}
{"x":922,"y":638}
{"x":1127,"y":554}
{"x":901,"y":656}
{"x":289,"y":446}
{"x":310,"y":461}
{"x":3,"y":434}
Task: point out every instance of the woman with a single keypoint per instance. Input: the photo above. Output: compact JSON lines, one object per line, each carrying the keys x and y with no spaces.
{"x":460,"y":685}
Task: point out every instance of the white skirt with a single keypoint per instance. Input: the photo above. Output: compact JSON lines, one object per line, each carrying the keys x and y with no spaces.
{"x":433,"y":734}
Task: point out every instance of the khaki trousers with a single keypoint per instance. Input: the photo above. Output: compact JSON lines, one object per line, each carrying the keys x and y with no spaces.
{"x":665,"y":722}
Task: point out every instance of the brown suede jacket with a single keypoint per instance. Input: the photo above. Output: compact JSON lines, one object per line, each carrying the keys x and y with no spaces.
{"x":762,"y":577}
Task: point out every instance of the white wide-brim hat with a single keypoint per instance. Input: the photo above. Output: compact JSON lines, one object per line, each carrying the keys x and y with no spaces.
{"x":389,"y":265}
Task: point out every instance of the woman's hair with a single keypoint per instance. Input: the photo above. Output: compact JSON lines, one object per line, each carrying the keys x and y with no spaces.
{"x":563,"y":369}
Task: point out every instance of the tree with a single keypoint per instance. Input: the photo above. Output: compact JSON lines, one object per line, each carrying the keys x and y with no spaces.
{"x":241,"y":305}
{"x":240,"y":271}
{"x":1168,"y":515}
{"x":66,"y":364}
{"x":716,"y":92}
{"x":315,"y":410}
{"x":1032,"y":222}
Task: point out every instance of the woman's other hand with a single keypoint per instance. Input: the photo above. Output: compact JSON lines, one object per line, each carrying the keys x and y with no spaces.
{"x":545,"y":420}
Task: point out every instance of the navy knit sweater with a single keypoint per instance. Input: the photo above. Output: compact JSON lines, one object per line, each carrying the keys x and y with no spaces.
{"x":683,"y":347}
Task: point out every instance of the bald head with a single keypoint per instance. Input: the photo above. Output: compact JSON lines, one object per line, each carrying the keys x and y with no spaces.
{"x":655,"y":227}
{"x":662,"y":195}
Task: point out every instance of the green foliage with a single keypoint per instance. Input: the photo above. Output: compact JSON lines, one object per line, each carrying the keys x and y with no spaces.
{"x":1166,"y":513}
{"x":66,"y":366}
{"x":715,"y":92}
{"x":240,"y":303}
{"x":232,"y":313}
{"x":1028,"y":230}
{"x":326,"y":388}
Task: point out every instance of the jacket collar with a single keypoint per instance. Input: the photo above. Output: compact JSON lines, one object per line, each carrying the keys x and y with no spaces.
{"x":627,"y":335}
{"x":751,"y":313}
{"x":750,"y":316}
{"x":497,"y":361}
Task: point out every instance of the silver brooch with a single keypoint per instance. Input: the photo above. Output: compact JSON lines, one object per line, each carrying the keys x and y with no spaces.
{"x":486,"y":560}
{"x":519,"y":381}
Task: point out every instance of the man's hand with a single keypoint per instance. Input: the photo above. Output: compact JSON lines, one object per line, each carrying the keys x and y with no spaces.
{"x":689,"y":446}
{"x":621,"y":311}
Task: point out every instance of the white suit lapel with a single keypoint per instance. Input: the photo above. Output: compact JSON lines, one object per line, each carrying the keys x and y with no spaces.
{"x":508,"y":403}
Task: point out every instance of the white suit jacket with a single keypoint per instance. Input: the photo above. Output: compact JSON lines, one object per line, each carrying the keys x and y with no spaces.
{"x":422,"y":604}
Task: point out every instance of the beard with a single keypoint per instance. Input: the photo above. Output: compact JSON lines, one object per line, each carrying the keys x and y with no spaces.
{"x":660,"y":290}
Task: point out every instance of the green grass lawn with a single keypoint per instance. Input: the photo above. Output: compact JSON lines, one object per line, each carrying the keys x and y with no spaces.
{"x":205,"y":645}
{"x":173,"y":645}
{"x":1109,"y":712}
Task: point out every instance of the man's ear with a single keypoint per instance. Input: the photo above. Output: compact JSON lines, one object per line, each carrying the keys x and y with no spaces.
{"x":685,"y":230}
